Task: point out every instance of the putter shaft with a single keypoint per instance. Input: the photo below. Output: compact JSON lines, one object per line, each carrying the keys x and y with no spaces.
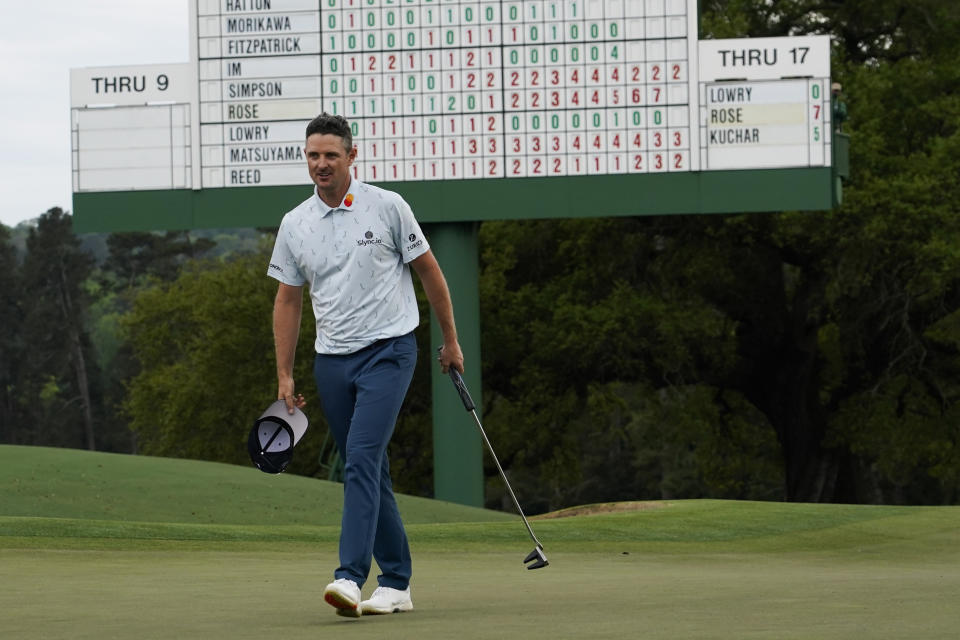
{"x":537,"y":554}
{"x":503,"y":474}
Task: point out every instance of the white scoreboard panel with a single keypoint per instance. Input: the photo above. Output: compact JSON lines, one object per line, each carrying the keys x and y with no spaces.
{"x":447,"y":89}
{"x":130,"y":148}
{"x":765,"y":103}
{"x":765,"y":124}
{"x":132,"y":127}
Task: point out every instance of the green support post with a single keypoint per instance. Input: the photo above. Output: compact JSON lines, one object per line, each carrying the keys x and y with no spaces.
{"x":457,"y":447}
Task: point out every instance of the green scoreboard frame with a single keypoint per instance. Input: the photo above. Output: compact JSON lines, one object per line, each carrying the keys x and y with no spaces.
{"x":479,"y":200}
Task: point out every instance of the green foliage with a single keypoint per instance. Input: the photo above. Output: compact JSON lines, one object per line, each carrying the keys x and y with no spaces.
{"x":51,"y":390}
{"x":908,"y":435}
{"x":10,"y":344}
{"x":136,"y":256}
{"x":204,"y":345}
{"x":697,"y":440}
{"x":899,"y":287}
{"x":129,"y":261}
{"x":583,"y":322}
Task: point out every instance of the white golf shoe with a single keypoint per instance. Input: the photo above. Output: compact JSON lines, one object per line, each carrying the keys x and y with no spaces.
{"x":344,"y":595}
{"x":387,"y":600}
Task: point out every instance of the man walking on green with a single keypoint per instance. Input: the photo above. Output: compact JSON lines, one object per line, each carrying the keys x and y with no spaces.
{"x":352,"y":245}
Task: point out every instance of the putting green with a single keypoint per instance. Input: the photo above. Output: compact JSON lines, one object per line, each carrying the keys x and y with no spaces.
{"x":170,"y":594}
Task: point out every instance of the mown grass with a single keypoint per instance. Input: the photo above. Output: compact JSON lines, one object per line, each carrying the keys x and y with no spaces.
{"x":62,"y":498}
{"x":67,"y":483}
{"x":95,"y":545}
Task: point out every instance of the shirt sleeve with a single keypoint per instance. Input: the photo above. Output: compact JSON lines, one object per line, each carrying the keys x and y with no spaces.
{"x":283,"y":264}
{"x":408,"y":235}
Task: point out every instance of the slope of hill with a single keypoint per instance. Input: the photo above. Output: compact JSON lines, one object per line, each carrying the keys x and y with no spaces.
{"x":70,"y":483}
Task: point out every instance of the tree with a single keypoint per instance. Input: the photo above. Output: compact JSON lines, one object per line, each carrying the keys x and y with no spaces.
{"x":54,"y":388}
{"x":204,"y":349}
{"x":594,"y":342}
{"x":135,"y":256}
{"x":10,"y":343}
{"x":132,"y":262}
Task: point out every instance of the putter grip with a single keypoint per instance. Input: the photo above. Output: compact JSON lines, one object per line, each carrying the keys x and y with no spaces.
{"x":462,"y":390}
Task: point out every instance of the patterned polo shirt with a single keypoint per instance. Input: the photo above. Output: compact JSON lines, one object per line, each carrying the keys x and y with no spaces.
{"x":355,"y":260}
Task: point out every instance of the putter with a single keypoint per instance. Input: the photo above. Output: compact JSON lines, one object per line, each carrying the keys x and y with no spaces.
{"x":537,"y":558}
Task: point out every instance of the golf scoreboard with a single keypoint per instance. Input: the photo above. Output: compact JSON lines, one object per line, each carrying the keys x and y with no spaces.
{"x":452,"y":91}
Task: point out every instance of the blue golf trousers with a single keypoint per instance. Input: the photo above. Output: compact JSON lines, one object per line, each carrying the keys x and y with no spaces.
{"x":361,"y":395}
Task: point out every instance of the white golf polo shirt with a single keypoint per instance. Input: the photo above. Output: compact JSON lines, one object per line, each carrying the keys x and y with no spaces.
{"x":354,"y":259}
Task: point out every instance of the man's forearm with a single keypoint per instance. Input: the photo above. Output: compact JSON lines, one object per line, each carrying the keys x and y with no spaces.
{"x":286,"y":330}
{"x":438,"y":294}
{"x":435,"y":286}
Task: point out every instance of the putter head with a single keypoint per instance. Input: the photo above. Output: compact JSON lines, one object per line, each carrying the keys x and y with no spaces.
{"x":538,"y":557}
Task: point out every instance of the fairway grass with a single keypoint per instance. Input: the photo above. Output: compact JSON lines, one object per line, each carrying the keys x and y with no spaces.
{"x":136,"y":561}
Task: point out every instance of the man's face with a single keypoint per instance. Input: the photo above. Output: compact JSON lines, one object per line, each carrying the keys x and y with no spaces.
{"x":328,"y":162}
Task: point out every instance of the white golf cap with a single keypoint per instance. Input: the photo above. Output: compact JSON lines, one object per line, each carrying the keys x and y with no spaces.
{"x":274,"y":435}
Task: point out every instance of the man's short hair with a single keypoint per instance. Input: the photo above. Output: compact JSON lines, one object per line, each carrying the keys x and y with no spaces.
{"x":335,"y":125}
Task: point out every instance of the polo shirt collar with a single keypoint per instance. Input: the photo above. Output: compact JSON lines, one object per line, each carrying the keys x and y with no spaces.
{"x":348,"y":203}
